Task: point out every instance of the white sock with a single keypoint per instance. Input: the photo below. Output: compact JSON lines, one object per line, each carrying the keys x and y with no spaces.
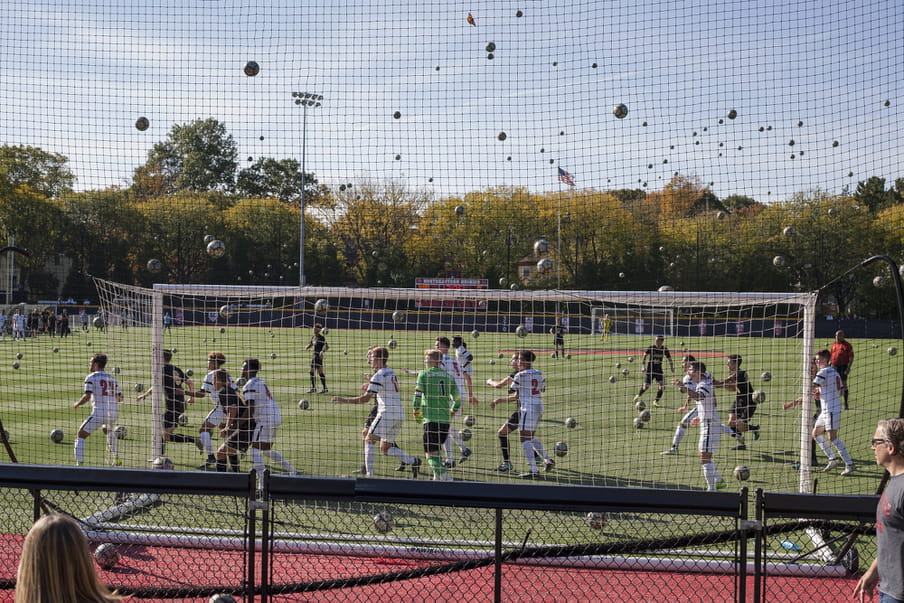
{"x":709,"y":474}
{"x":826,"y":448}
{"x":370,"y":450}
{"x":113,"y":443}
{"x":529,"y":453}
{"x":843,"y":451}
{"x":448,"y":446}
{"x":538,"y":446}
{"x":205,"y":441}
{"x":79,"y":450}
{"x":257,"y":461}
{"x":280,"y":460}
{"x":679,"y":435}
{"x":400,"y":454}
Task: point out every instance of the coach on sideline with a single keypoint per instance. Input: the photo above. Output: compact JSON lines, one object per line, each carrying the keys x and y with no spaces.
{"x":888,"y":569}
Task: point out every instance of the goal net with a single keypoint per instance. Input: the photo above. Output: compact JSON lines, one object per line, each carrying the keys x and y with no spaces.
{"x":628,"y":320}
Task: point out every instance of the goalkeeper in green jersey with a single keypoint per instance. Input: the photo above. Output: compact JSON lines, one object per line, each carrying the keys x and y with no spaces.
{"x":432,"y":396}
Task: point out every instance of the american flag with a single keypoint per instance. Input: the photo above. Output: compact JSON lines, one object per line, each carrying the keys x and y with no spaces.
{"x":565,"y":177}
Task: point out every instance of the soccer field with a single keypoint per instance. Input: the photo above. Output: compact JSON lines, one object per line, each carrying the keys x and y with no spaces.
{"x":603,"y":449}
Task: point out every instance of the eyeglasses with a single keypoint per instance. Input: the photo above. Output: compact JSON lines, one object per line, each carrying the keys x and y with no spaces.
{"x":876,"y":441}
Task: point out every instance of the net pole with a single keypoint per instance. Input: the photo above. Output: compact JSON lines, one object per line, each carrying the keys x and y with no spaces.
{"x":158,"y":397}
{"x":809,"y":327}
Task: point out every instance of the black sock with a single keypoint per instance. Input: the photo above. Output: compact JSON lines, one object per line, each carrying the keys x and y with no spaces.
{"x":659,"y":395}
{"x":323,"y":380}
{"x":221,"y":465}
{"x":234,"y":462}
{"x":178,"y":437}
{"x":504,"y":444}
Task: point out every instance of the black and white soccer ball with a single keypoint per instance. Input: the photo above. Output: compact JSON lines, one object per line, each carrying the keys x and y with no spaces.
{"x":216,"y":248}
{"x":465,"y":434}
{"x":182,"y":420}
{"x":56,"y":436}
{"x":521,"y":331}
{"x":475,"y":333}
{"x":545,"y":266}
{"x":638,"y":423}
{"x":398,"y":316}
{"x":596,"y":520}
{"x":778,"y":260}
{"x":646,"y":416}
{"x":742,"y":473}
{"x":571,"y":422}
{"x":304,"y":404}
{"x":321,"y":306}
{"x":789,"y":231}
{"x":766,"y":377}
{"x":226,"y":311}
{"x":98,"y":322}
{"x":541,"y":247}
{"x":162,"y":463}
{"x":620,"y":111}
{"x":221,"y":598}
{"x":892,"y":351}
{"x":382,"y":522}
{"x":252,"y":68}
{"x":759,"y":396}
{"x":470,"y":420}
{"x":640,"y":406}
{"x":120,"y":432}
{"x":612,"y":378}
{"x":106,"y":555}
{"x":154,"y":265}
{"x":561,"y":448}
{"x":142,"y":123}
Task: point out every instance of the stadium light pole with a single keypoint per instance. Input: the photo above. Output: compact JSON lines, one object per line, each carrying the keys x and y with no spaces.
{"x":305,"y":99}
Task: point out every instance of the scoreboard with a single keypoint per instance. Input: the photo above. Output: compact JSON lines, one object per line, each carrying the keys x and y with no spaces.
{"x":450,"y":283}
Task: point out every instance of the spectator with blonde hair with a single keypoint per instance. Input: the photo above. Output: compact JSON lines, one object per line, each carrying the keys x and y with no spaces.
{"x":56,"y":565}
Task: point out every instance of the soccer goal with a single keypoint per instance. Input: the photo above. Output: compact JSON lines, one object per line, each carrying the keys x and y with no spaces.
{"x":632,"y":320}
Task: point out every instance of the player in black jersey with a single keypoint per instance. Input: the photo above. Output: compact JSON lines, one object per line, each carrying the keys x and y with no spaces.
{"x":652,"y":368}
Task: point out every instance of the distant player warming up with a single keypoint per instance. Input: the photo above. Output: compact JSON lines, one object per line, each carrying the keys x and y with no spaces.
{"x":104,"y":393}
{"x":436,"y":399}
{"x":652,"y":368}
{"x":320,"y":346}
{"x":528,"y":386}
{"x":267,"y":419}
{"x":386,"y":425}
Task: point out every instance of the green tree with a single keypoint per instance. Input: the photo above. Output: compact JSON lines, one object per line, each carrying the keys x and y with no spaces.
{"x":281,"y":179}
{"x":871,"y":194}
{"x":46,"y":174}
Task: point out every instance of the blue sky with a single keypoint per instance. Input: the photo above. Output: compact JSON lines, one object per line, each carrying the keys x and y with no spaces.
{"x":78,"y":74}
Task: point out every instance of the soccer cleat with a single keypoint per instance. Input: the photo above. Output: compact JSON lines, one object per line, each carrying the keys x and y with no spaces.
{"x":324,"y":390}
{"x":753,"y":427}
{"x":530,"y":475}
{"x":739,"y":447}
{"x":549,"y":465}
{"x":117,"y":462}
{"x":504,"y":467}
{"x":636,"y":398}
{"x":312,"y":390}
{"x":464,"y":455}
{"x":832,"y":464}
{"x":721,"y":485}
{"x":362,"y":470}
{"x":402,"y":466}
{"x":672,"y":450}
{"x":415,"y":468}
{"x":450,"y":464}
{"x":656,"y":404}
{"x":756,"y":435}
{"x":848,"y":469}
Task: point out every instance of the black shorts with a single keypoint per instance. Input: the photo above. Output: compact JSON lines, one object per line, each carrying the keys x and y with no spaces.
{"x":512,"y":422}
{"x":241,"y":438}
{"x":316,"y":362}
{"x":435,"y":435}
{"x":650,"y":376}
{"x":742,"y":410}
{"x":171,"y":414}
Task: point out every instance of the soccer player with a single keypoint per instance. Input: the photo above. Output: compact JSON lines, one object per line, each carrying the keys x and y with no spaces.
{"x":558,"y":338}
{"x":320,"y":346}
{"x":387,"y":424}
{"x":18,"y":325}
{"x":652,"y":368}
{"x":173,"y":381}
{"x":607,"y":327}
{"x":511,"y":424}
{"x":690,"y":415}
{"x":451,"y":366}
{"x":436,"y":399}
{"x":842,"y":359}
{"x":465,"y":361}
{"x":267,"y":419}
{"x":744,"y":405}
{"x":527,"y":387}
{"x":104,"y":393}
{"x":239,"y":422}
{"x":828,"y":387}
{"x":215,"y":418}
{"x":710,"y":430}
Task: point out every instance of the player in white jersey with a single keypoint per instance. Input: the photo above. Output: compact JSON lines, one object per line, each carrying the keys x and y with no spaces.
{"x":216,"y":416}
{"x":710,"y":426}
{"x":18,"y":325}
{"x":690,"y":415}
{"x":267,"y":419}
{"x":451,"y":366}
{"x":387,"y":424}
{"x":3,"y":318}
{"x":829,"y":388}
{"x":104,"y":393}
{"x":527,"y":388}
{"x":465,"y":361}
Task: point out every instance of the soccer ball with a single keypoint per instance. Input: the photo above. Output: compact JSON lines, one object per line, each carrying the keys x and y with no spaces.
{"x":621,"y":275}
{"x":665,"y":288}
{"x":732,"y":114}
{"x":459,"y":210}
{"x":222,"y":598}
{"x":120,"y":432}
{"x":142,"y":123}
{"x":465,"y":435}
{"x":226,"y":311}
{"x":778,"y":260}
{"x":56,"y":436}
{"x":139,"y":387}
{"x":618,"y":365}
{"x":541,"y":246}
{"x":303,"y":404}
{"x":892,"y":351}
{"x":625,"y":372}
{"x":561,"y":448}
{"x":620,"y":111}
{"x":759,"y":396}
{"x":98,"y":322}
{"x":544,"y":266}
{"x":16,"y":365}
{"x":183,"y":420}
{"x":571,"y":422}
{"x":106,"y":556}
{"x":596,"y":520}
{"x":252,"y":68}
{"x":321,"y":306}
{"x":742,"y":473}
{"x":521,"y":331}
{"x":475,"y":333}
{"x":630,"y":358}
{"x":216,"y":248}
{"x":208,"y":238}
{"x":503,"y":281}
{"x":492,"y":362}
{"x":640,"y":406}
{"x":879,"y":281}
{"x":398,"y":316}
{"x":241,"y":381}
{"x":155,"y":265}
{"x":638,"y":423}
{"x":470,"y":421}
{"x":766,"y":377}
{"x":162,"y":463}
{"x":645,"y":416}
{"x":567,"y":356}
{"x":612,"y":378}
{"x":391,"y":344}
{"x":789,"y":231}
{"x":382,"y":522}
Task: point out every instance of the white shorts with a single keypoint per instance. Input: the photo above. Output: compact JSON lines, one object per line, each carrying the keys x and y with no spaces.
{"x":100,"y":416}
{"x":265,"y":432}
{"x":216,"y":417}
{"x":529,"y":418}
{"x":830,"y":420}
{"x":386,"y":428}
{"x":710,"y":430}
